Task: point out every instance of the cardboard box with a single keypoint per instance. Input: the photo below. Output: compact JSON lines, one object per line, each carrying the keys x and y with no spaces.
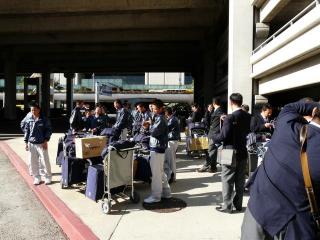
{"x":196,"y":144}
{"x":90,"y":146}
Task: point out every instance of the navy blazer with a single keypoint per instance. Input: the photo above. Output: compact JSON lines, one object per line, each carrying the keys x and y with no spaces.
{"x":234,"y":131}
{"x":257,"y":124}
{"x":215,"y":122}
{"x":277,"y":195}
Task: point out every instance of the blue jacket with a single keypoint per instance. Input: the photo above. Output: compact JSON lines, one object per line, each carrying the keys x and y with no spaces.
{"x":99,"y":123}
{"x":278,"y":198}
{"x":159,"y":134}
{"x":37,"y":131}
{"x":122,"y":120}
{"x":174,"y":128}
{"x":24,"y":121}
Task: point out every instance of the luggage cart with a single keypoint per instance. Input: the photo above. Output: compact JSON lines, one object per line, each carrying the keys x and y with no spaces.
{"x":118,"y":167}
{"x":196,"y":132}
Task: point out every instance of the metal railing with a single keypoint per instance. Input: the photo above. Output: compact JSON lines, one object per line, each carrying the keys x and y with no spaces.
{"x":288,"y":24}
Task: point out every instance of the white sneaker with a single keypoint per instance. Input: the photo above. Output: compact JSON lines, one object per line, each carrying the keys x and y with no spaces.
{"x":151,"y":199}
{"x":36,"y":181}
{"x":47,"y":180}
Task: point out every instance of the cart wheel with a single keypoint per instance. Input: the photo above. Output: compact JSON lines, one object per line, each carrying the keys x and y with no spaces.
{"x":106,"y":207}
{"x":135,"y":198}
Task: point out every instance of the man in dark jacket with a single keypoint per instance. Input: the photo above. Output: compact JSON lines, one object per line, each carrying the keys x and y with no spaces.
{"x":36,"y":137}
{"x":196,"y":115}
{"x":122,"y":121}
{"x":98,"y":121}
{"x":158,"y":145}
{"x":211,"y":155}
{"x":235,"y":129}
{"x":261,"y":121}
{"x":76,"y":119}
{"x":278,"y":207}
{"x":173,"y":137}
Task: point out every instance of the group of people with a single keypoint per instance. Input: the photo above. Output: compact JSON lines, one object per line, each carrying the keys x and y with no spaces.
{"x":278,"y":207}
{"x":156,"y":122}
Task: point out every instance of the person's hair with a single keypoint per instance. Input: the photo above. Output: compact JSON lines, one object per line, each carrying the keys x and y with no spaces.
{"x":78,"y":102}
{"x":216,"y":101}
{"x":245,"y":107}
{"x":317,"y":112}
{"x":118,"y":101}
{"x":98,"y":105}
{"x":35,"y":105}
{"x":158,"y":103}
{"x":236,"y":98}
{"x":169,"y":110}
{"x":266,"y":106}
{"x":306,"y":99}
{"x":141,"y":105}
{"x":195,"y":105}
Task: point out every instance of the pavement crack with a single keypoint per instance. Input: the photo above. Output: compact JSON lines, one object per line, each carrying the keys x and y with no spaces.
{"x":114,"y":230}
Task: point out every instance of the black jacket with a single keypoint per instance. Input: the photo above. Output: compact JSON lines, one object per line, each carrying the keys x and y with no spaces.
{"x":196,"y":116}
{"x":278,"y":197}
{"x":257,"y":124}
{"x":235,"y":129}
{"x":215,"y":122}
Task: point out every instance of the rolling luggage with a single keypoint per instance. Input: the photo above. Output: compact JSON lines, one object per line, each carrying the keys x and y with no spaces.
{"x":95,"y":182}
{"x":73,"y":170}
{"x":143,"y":172}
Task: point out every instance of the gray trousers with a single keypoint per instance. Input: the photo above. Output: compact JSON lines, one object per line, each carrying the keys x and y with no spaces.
{"x":233,"y":178}
{"x":211,"y":156}
{"x":250,"y":229}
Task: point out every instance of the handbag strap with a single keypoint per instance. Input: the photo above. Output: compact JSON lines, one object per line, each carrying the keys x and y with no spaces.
{"x":306,"y":176}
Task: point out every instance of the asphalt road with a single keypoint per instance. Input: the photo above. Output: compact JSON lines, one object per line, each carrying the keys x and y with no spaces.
{"x":22,"y":216}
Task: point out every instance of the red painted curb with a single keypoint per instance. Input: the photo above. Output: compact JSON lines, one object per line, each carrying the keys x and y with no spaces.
{"x":70,"y":223}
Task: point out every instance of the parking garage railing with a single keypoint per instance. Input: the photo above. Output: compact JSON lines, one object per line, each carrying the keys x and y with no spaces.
{"x":311,"y":6}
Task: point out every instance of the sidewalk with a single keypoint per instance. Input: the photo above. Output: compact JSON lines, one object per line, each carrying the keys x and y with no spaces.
{"x":200,"y":220}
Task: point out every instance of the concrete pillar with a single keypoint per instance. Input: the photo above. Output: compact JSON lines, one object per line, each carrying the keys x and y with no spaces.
{"x":10,"y":89}
{"x":69,"y":77}
{"x":45,"y":94}
{"x":240,"y":48}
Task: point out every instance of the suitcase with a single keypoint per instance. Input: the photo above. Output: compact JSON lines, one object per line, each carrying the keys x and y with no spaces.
{"x":143,"y":172}
{"x":73,"y":170}
{"x":252,"y":162}
{"x":60,"y":152}
{"x":94,"y":187}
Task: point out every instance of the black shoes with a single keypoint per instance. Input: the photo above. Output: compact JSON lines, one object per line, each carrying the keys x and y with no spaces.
{"x":226,"y":210}
{"x":205,"y":168}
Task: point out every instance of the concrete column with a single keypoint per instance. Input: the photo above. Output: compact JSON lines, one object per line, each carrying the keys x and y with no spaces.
{"x":45,"y":94}
{"x":240,"y":48}
{"x":69,"y":77}
{"x":10,"y":89}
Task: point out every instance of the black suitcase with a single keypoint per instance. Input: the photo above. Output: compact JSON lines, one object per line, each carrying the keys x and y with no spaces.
{"x":143,"y":172}
{"x":73,"y":170}
{"x":94,"y":187}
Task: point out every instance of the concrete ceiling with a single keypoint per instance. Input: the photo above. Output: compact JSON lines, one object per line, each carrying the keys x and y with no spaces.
{"x":99,"y":35}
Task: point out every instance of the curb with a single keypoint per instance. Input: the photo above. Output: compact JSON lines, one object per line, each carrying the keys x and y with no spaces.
{"x":70,"y":223}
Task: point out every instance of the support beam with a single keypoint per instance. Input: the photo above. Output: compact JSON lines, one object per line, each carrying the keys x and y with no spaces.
{"x":69,"y":77}
{"x":10,"y":88}
{"x":45,"y":94}
{"x":240,"y":47}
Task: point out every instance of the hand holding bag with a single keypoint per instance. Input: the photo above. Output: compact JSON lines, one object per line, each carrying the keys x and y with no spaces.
{"x":227,"y":156}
